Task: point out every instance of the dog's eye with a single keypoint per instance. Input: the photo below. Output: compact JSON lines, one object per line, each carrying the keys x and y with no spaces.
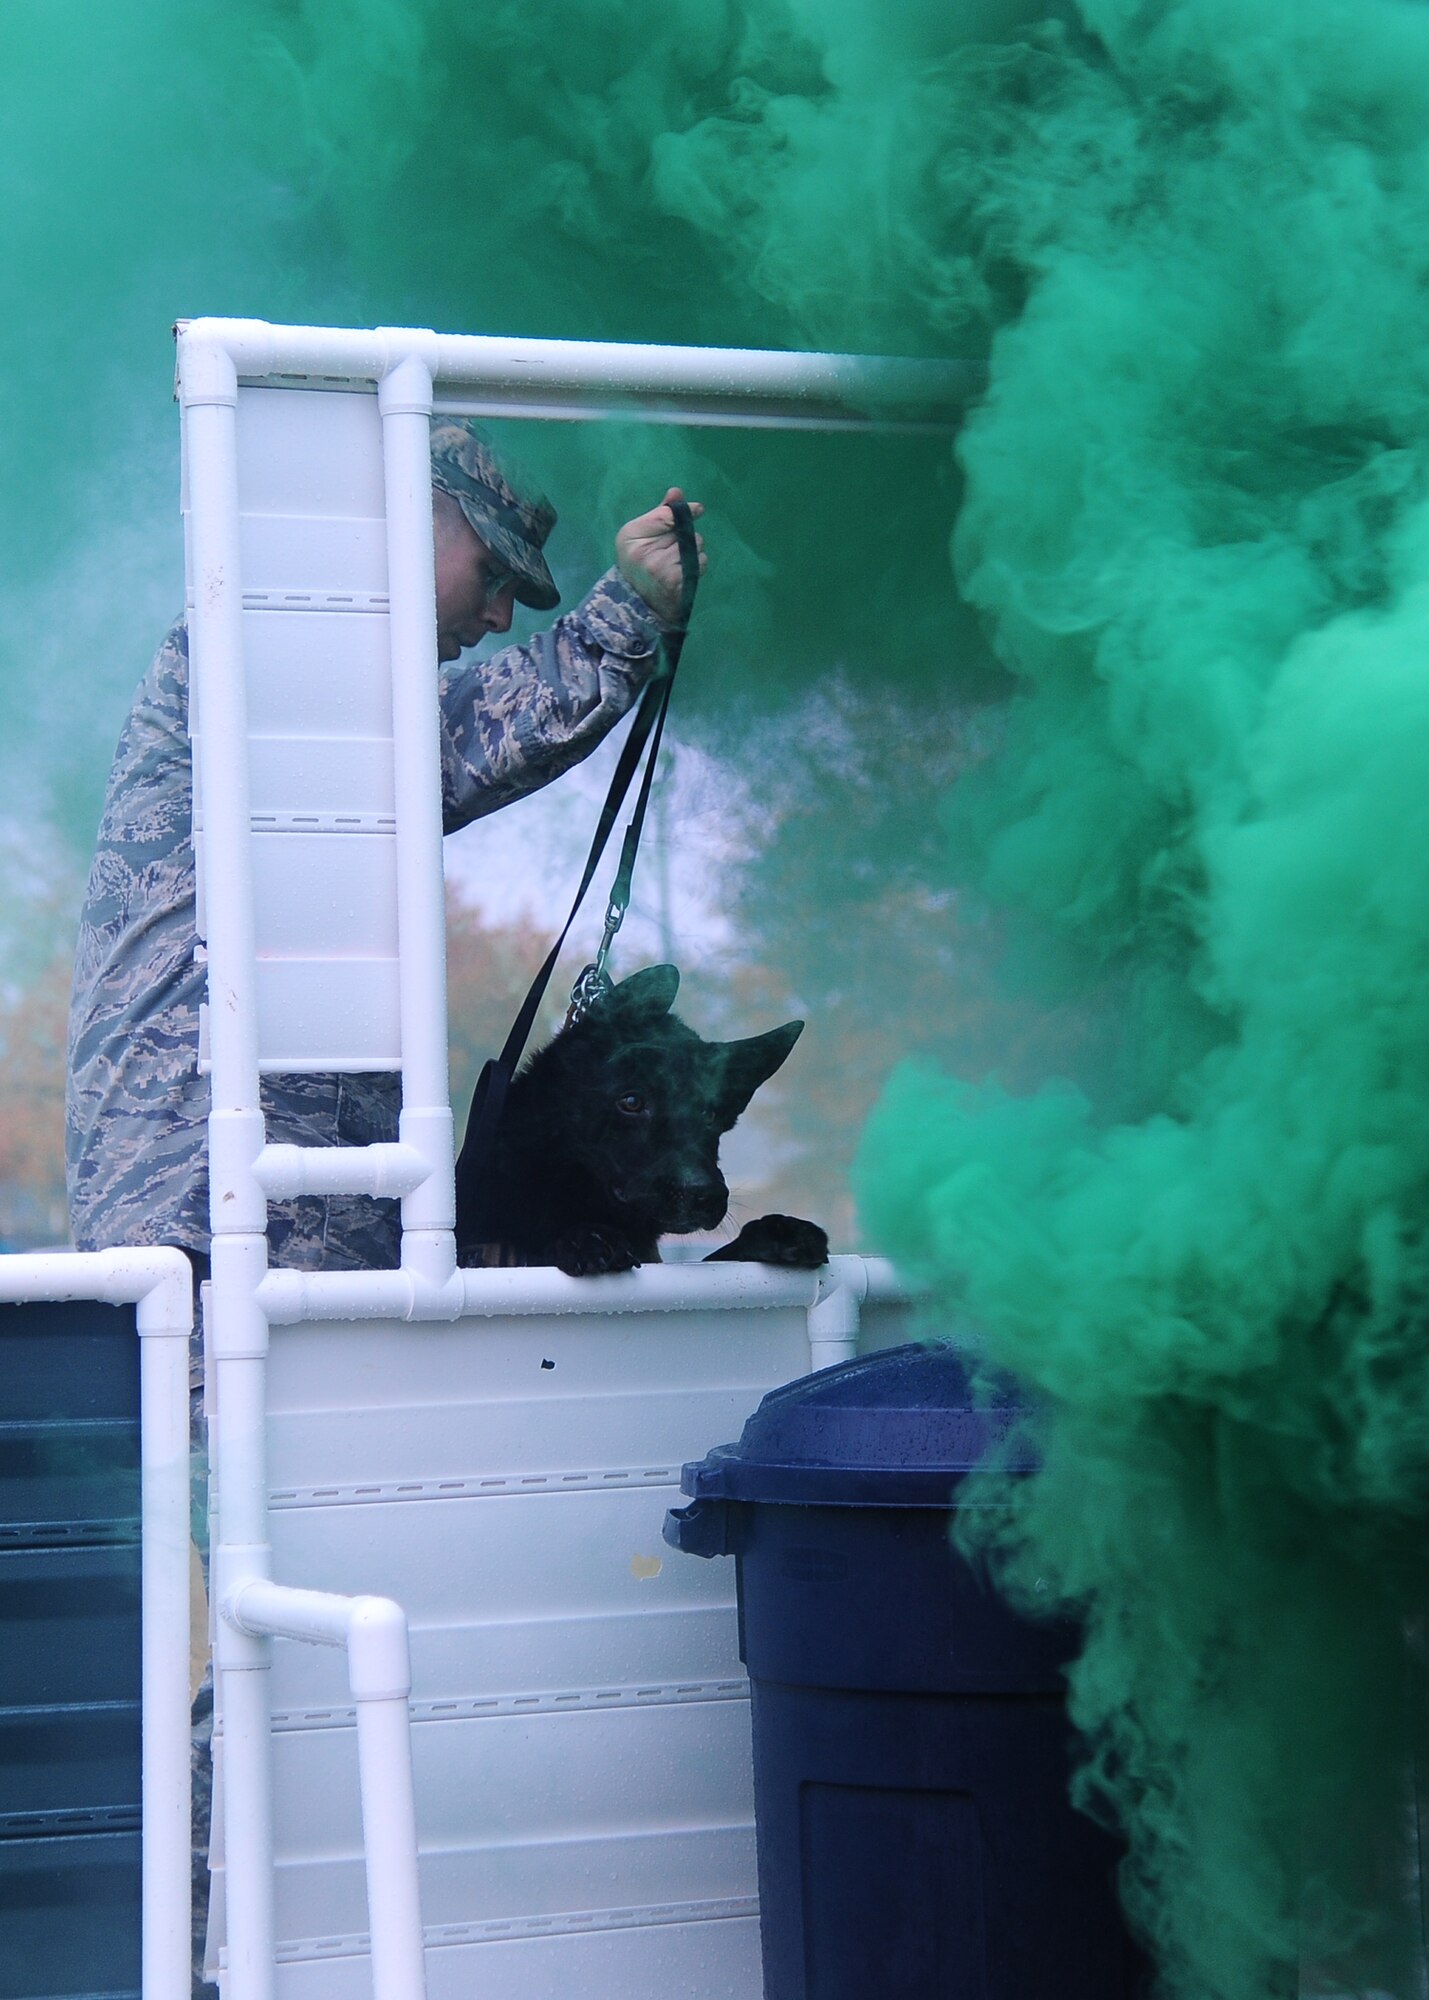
{"x":630,"y":1102}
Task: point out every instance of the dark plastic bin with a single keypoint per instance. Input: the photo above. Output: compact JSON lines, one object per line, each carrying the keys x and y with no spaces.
{"x":70,"y":1918}
{"x":70,"y":1573}
{"x":915,"y":1837}
{"x":69,"y":1769}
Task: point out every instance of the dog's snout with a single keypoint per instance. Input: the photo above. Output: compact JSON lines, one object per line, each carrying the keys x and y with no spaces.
{"x":697,"y":1200}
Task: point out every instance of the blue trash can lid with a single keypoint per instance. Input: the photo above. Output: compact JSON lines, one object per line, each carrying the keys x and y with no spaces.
{"x":895,"y":1429}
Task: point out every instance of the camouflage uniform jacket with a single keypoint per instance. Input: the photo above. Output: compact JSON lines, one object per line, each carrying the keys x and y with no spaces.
{"x":136,"y":1104}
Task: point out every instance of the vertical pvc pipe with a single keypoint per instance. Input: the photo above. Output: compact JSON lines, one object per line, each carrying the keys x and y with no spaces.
{"x":164,"y":1478}
{"x":428,"y":1214}
{"x":238,"y":1209}
{"x":241,"y":1661}
{"x":209,"y":386}
{"x":248,"y":1831}
{"x":389,"y":1838}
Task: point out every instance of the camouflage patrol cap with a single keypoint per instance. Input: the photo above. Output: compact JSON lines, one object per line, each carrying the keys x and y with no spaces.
{"x":513,"y":525}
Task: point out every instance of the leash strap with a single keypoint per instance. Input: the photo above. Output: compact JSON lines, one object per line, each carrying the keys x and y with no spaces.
{"x":594,"y":983}
{"x":489,"y":1098}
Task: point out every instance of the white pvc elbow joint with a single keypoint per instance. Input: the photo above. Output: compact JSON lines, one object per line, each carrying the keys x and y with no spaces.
{"x":379,"y":1664}
{"x":373,"y":1630}
{"x":207,"y":374}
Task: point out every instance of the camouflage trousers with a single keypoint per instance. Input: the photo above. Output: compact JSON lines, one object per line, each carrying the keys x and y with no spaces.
{"x":335,"y":1232}
{"x":201,"y":1709}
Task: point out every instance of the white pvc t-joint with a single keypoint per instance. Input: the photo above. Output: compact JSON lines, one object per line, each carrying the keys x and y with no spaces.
{"x":406,"y":387}
{"x":835,"y":1317}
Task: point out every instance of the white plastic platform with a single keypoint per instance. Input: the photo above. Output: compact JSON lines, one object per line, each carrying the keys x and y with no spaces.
{"x":432,"y":1480}
{"x":581,"y":1734}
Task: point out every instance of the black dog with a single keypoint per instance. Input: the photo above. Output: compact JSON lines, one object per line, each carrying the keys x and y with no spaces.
{"x":609,"y":1139}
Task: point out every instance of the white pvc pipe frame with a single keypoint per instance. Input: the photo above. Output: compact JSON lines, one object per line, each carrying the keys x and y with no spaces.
{"x":413,"y":371}
{"x":159,"y":1283}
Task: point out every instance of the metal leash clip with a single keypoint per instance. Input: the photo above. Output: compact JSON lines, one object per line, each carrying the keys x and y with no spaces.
{"x":593,"y":986}
{"x":593,"y":983}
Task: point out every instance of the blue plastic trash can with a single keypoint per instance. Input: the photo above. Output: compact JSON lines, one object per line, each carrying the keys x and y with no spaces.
{"x":915,"y":1837}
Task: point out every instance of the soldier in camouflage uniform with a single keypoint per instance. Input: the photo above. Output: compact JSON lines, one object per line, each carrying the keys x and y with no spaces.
{"x":136,"y":1104}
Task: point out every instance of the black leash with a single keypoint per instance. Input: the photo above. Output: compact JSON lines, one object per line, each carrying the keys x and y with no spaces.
{"x":475,"y":1162}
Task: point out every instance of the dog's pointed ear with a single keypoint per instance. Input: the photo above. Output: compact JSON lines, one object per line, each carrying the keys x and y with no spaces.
{"x":749,"y":1063}
{"x":650,"y":991}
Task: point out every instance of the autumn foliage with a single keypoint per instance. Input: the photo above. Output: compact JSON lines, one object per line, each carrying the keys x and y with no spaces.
{"x":32,"y":1079}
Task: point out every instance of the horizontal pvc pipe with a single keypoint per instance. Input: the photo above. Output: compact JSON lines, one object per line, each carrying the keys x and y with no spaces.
{"x":288,"y":1297}
{"x":763,"y":383}
{"x":374,"y":1632}
{"x":380,"y":1169}
{"x":694,"y":412}
{"x":159,"y":1282}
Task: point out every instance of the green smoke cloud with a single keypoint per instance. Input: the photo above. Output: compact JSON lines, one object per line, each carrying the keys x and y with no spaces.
{"x":391,"y":161}
{"x":1196,"y":519}
{"x":1191,"y":515}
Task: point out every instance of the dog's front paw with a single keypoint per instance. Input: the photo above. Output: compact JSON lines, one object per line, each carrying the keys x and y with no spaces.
{"x":593,"y":1253}
{"x":776,"y":1239}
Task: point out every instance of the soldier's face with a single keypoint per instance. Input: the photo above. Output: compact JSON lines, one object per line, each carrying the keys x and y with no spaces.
{"x":475,"y":595}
